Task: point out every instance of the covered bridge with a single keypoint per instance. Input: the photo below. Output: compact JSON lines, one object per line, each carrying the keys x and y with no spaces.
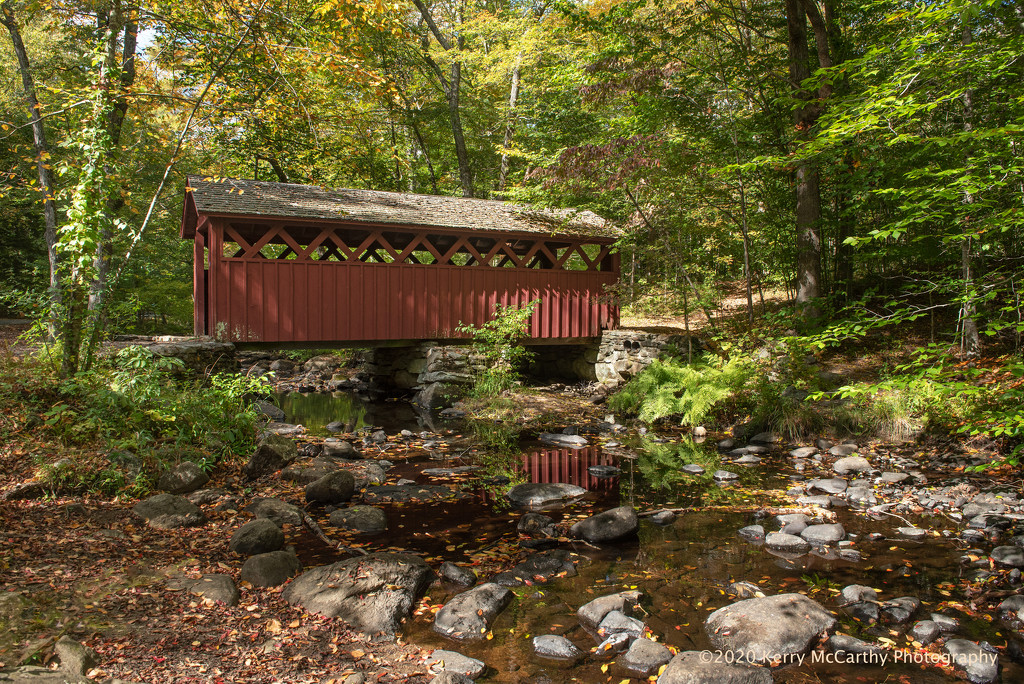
{"x":283,"y":263}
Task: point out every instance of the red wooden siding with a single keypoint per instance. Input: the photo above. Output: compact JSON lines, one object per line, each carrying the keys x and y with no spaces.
{"x":247,"y":297}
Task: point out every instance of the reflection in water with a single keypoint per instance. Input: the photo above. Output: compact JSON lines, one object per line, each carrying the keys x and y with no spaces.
{"x":317,"y":410}
{"x":569,"y":466}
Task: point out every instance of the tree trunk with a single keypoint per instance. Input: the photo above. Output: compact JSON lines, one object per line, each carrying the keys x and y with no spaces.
{"x":808,"y":194}
{"x":971,"y":342}
{"x":510,"y":126}
{"x":47,"y":187}
{"x":465,"y":173}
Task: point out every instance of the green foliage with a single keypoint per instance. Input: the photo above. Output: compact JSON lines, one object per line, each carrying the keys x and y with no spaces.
{"x":670,"y":388}
{"x":497,"y":341}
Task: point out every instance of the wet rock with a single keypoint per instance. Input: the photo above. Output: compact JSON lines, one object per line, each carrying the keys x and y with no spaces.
{"x":787,"y":518}
{"x":925,"y":632}
{"x":205,"y":497}
{"x":452,"y":661}
{"x":539,"y":567}
{"x":1013,"y":604}
{"x":727,"y":443}
{"x":256,"y":536}
{"x":830,"y":486}
{"x":560,"y":440}
{"x":31,"y":674}
{"x":843,"y":450}
{"x":900,"y":610}
{"x":794,"y":528}
{"x":271,"y":411}
{"x":822,"y":501}
{"x":706,"y":667}
{"x":979,"y":662}
{"x":1012,"y":556}
{"x":591,"y":614}
{"x":333,"y":488}
{"x":339,"y":448}
{"x":663,"y":518}
{"x":536,"y":525}
{"x":453,"y":573}
{"x":645,"y":657}
{"x":307,"y":473}
{"x":362,"y":519}
{"x":371,"y":593}
{"x":783,"y":626}
{"x":451,"y":677}
{"x":612,"y":525}
{"x":183,"y":478}
{"x":556,"y":647}
{"x":861,"y":496}
{"x":617,"y":622}
{"x":75,"y":658}
{"x":336,"y":426}
{"x":604,"y":471}
{"x":725,"y":475}
{"x":169,"y":511}
{"x":989,"y":521}
{"x":855,"y":593}
{"x":277,"y":511}
{"x":803,"y":452}
{"x":273,"y":453}
{"x":270,"y":569}
{"x":851,"y":464}
{"x":854,"y":651}
{"x":912,"y":532}
{"x":747,"y":460}
{"x":613,"y":645}
{"x":692,"y":469}
{"x":893,"y":478}
{"x":753,"y":533}
{"x":788,"y":543}
{"x":216,"y":587}
{"x":975,"y":509}
{"x":824,"y":534}
{"x":538,"y":495}
{"x":945,"y":623}
{"x":469,"y":615}
{"x":766,"y":438}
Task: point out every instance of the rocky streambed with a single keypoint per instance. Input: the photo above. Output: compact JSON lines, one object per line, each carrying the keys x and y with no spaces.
{"x":598,"y":551}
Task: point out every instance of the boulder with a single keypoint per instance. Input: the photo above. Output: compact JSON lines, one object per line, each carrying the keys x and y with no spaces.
{"x":371,"y":593}
{"x":469,"y":615}
{"x":255,"y":537}
{"x":452,"y":661}
{"x":453,"y":573}
{"x":75,"y":659}
{"x":788,"y":543}
{"x":560,"y":440}
{"x":980,"y":662}
{"x":332,"y":489}
{"x":275,"y":510}
{"x":851,"y":464}
{"x":270,"y":569}
{"x":362,"y":519}
{"x":1012,"y":556}
{"x":784,"y":625}
{"x":706,"y":667}
{"x":618,"y":523}
{"x":183,"y":478}
{"x":819,"y":535}
{"x":556,"y":647}
{"x":216,"y":587}
{"x":273,"y":453}
{"x":855,"y":651}
{"x":725,"y":476}
{"x":645,"y":657}
{"x":540,"y":494}
{"x":539,"y":567}
{"x":168,"y":511}
{"x":339,"y":448}
{"x":617,"y":622}
{"x":536,"y":525}
{"x":591,"y":614}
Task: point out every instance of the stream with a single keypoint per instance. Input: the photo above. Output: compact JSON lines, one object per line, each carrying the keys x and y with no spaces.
{"x":683,"y":569}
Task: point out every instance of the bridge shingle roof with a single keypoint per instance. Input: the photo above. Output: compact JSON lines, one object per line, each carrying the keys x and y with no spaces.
{"x":230,"y":196}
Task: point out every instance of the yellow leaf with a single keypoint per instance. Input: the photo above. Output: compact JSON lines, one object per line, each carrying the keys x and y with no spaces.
{"x":604,"y":668}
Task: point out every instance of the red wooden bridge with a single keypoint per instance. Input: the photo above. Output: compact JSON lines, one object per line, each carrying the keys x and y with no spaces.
{"x":281,"y":263}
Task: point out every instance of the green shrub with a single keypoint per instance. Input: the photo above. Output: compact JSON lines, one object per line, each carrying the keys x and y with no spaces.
{"x":497,"y":340}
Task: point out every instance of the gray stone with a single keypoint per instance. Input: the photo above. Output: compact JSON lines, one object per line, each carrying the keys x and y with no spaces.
{"x":824,"y":534}
{"x":855,"y":593}
{"x":372,"y":593}
{"x":794,"y":528}
{"x":469,"y":615}
{"x":851,"y":464}
{"x":863,"y":611}
{"x":830,"y":486}
{"x":1012,"y":556}
{"x":273,"y":453}
{"x":604,"y":471}
{"x":339,"y":448}
{"x":409,"y":493}
{"x":912,"y":532}
{"x":664,"y":518}
{"x":725,"y":475}
{"x":453,"y":573}
{"x":894,"y":478}
{"x":333,"y":488}
{"x":270,"y":569}
{"x":781,"y":626}
{"x":645,"y":657}
{"x":854,"y":651}
{"x":362,"y":519}
{"x":75,"y":659}
{"x":900,"y":610}
{"x":168,"y":511}
{"x":780,"y":541}
{"x":613,"y":645}
{"x":183,"y":478}
{"x":256,"y":536}
{"x":570,"y":441}
{"x":618,"y":523}
{"x":539,"y":494}
{"x":861,"y":496}
{"x":216,"y":587}
{"x":271,"y":411}
{"x":536,"y":525}
{"x":979,"y":662}
{"x":766,"y":438}
{"x":754,"y":533}
{"x":925,"y":632}
{"x":451,"y":678}
{"x":307,"y":473}
{"x":747,"y":460}
{"x":556,"y":647}
{"x":277,"y":511}
{"x":452,"y":661}
{"x":692,"y":469}
{"x":707,"y":667}
{"x":787,"y":518}
{"x":803,"y":452}
{"x":617,"y":622}
{"x":592,"y":613}
{"x":843,"y":450}
{"x":539,"y":567}
{"x":31,"y":674}
{"x":947,"y":624}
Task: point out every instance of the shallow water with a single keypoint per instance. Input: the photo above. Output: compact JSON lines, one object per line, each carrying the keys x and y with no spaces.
{"x":682,"y":569}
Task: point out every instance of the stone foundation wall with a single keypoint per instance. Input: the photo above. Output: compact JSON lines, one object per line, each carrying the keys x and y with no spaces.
{"x":200,"y":355}
{"x":439,"y":374}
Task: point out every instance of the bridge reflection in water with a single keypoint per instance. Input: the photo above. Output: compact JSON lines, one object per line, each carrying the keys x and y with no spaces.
{"x":569,"y":466}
